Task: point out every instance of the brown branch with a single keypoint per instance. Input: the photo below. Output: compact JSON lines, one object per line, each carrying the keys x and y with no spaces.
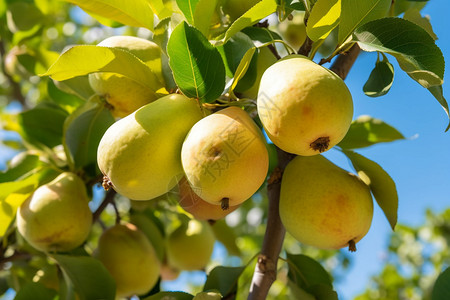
{"x":266,"y":267}
{"x":109,"y":198}
{"x":306,"y":47}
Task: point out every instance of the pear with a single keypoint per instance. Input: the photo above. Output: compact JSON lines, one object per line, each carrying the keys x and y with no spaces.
{"x":56,"y":217}
{"x":294,"y":31}
{"x":264,"y":60}
{"x":130,"y":259}
{"x":124,"y":95}
{"x":151,"y":231}
{"x":190,"y":246}
{"x":305,"y":108}
{"x":225,"y":158}
{"x":140,"y":154}
{"x":199,"y":208}
{"x":323,"y":205}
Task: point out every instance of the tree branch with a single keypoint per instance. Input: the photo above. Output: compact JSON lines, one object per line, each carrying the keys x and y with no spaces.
{"x":108,"y":199}
{"x":266,"y":268}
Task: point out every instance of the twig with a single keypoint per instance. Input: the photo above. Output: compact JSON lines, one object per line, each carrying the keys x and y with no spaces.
{"x":266,"y":267}
{"x":109,"y":198}
{"x":306,"y":47}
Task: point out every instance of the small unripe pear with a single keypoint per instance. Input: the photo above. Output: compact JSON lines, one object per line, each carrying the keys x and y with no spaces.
{"x":323,"y":205}
{"x":124,"y":95}
{"x":305,"y":108}
{"x":225,"y":158}
{"x":140,"y":154}
{"x":130,"y":259}
{"x":56,"y":217}
{"x":199,"y":208}
{"x":190,"y":246}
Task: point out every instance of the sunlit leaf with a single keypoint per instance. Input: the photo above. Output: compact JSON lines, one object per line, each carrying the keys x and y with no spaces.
{"x":366,"y":131}
{"x":380,"y":183}
{"x":356,"y":13}
{"x":133,"y":13}
{"x":323,"y":19}
{"x":197,"y":66}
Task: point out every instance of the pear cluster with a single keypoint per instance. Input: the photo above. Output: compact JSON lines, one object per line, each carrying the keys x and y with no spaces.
{"x":306,"y":109}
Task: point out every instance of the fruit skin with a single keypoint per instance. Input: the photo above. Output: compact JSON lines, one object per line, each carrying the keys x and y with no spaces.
{"x":264,"y":60}
{"x":224,"y":156}
{"x":305,"y":108}
{"x":140,"y":154}
{"x":190,"y":246}
{"x":199,"y":208}
{"x":130,"y":258}
{"x":122,"y":93}
{"x":56,"y":217}
{"x":323,"y":205}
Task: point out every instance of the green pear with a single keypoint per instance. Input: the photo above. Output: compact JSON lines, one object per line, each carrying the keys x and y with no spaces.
{"x":323,"y":205}
{"x":264,"y":60}
{"x":56,"y":217}
{"x":305,"y":108}
{"x":190,"y":246}
{"x":197,"y":207}
{"x":225,"y":158}
{"x":130,"y":259}
{"x":124,"y":95}
{"x":151,"y":230}
{"x":140,"y":154}
{"x":294,"y":31}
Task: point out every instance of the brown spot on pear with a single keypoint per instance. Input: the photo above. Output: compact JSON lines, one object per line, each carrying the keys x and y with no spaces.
{"x":323,"y":205}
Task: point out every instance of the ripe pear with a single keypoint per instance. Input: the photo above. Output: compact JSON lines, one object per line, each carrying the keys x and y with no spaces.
{"x":56,"y":217}
{"x":130,"y":259}
{"x":305,"y":108}
{"x":225,"y":158}
{"x":197,"y":207}
{"x":190,"y":246}
{"x":124,"y":95}
{"x":264,"y":60}
{"x":294,"y":31}
{"x":140,"y":154}
{"x":323,"y":205}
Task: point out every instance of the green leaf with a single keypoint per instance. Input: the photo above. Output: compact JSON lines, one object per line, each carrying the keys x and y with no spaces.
{"x":86,"y":59}
{"x":82,"y":133}
{"x":227,"y":236}
{"x":261,"y":34}
{"x":234,"y":50}
{"x":208,"y":296}
{"x":35,"y":291}
{"x":245,"y":74}
{"x":380,"y":79}
{"x":37,"y":131}
{"x":68,"y":102}
{"x":323,"y":19}
{"x":223,"y":279}
{"x":78,"y":86}
{"x":401,"y":6}
{"x":197,"y":66}
{"x":306,"y":272}
{"x":90,"y":279}
{"x":161,"y":8}
{"x":357,"y":13}
{"x":380,"y":183}
{"x":170,"y":296}
{"x":22,"y":16}
{"x":441,"y":289}
{"x":414,"y":49}
{"x":259,"y":11}
{"x":438,"y":93}
{"x":24,"y":163}
{"x":198,"y":13}
{"x":413,"y":15}
{"x":136,"y":13}
{"x":187,"y":7}
{"x":366,"y":131}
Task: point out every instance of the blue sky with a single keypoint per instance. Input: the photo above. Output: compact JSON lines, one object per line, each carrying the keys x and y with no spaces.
{"x":420,"y":165}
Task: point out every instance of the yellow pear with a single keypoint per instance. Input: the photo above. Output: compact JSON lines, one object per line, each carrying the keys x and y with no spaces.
{"x":264,"y":60}
{"x":305,"y":108}
{"x":323,"y":205}
{"x":130,"y":259}
{"x":225,"y":158}
{"x":199,"y":208}
{"x":294,"y":31}
{"x":190,"y":246}
{"x":124,"y":95}
{"x":56,"y":217}
{"x":140,"y":154}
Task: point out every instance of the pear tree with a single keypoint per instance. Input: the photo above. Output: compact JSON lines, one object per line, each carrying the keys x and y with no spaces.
{"x":158,"y":139}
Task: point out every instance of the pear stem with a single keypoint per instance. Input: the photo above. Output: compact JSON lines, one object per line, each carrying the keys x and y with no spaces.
{"x":225,"y":203}
{"x":351,"y":246}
